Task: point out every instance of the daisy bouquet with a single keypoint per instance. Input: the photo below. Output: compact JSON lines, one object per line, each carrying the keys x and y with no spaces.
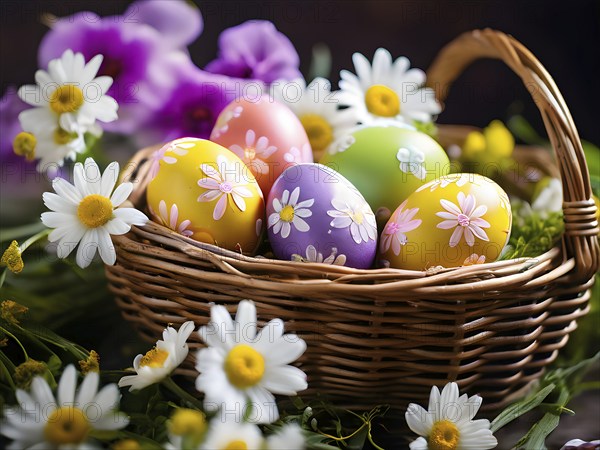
{"x":107,"y":86}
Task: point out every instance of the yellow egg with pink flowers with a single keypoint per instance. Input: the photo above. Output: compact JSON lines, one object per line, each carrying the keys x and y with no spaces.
{"x":202,"y":190}
{"x":454,"y":220}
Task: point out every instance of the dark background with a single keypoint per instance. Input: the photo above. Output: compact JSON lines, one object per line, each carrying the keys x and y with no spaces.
{"x":564,"y":35}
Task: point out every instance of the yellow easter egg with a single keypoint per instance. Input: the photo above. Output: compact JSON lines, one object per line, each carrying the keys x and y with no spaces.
{"x":204,"y":191}
{"x":455,"y":220}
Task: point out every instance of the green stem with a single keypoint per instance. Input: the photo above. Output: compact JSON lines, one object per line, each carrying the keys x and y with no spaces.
{"x":8,"y":333}
{"x":177,"y":390}
{"x":36,"y":237}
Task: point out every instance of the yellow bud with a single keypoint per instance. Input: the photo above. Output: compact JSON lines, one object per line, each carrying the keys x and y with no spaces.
{"x":24,"y":145}
{"x":27,"y":371}
{"x":474,"y":146}
{"x":10,"y":311}
{"x":91,"y":364}
{"x":126,"y":444}
{"x":500,"y":143}
{"x":187,"y":422}
{"x":11,"y":258}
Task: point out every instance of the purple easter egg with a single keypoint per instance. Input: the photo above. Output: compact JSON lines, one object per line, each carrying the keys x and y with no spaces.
{"x":315,"y":214}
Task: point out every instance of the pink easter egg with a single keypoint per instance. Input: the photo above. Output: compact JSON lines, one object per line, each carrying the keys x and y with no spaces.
{"x":266,"y":135}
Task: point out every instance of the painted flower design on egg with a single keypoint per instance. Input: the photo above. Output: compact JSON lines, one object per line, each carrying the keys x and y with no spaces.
{"x":393,"y":234}
{"x":312,"y":255}
{"x":223,"y":184}
{"x":290,"y":212}
{"x":474,"y":259}
{"x":356,"y":215}
{"x":465,"y":218}
{"x":179,"y":147}
{"x":227,"y":117}
{"x":170,"y":219}
{"x":255,"y":152}
{"x":412,"y":161}
{"x":459,"y":179}
{"x":294,"y":154}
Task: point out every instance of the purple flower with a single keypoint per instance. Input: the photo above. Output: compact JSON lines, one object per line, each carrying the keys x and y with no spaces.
{"x":578,"y":444}
{"x":134,"y":54}
{"x":179,"y":22}
{"x":256,"y":50}
{"x":10,"y":107}
{"x":194,"y":104}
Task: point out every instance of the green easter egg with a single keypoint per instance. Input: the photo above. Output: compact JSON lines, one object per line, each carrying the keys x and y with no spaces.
{"x":387,"y":163}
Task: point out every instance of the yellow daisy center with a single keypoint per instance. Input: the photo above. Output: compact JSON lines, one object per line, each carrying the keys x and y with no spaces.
{"x":287,"y":213}
{"x":66,"y":425}
{"x":357,"y":217}
{"x":62,"y":137}
{"x":187,"y":422}
{"x":382,"y":101}
{"x":95,"y":210}
{"x":154,"y":358}
{"x":66,"y":98}
{"x":444,"y":436}
{"x":244,"y":367}
{"x":318,"y":130}
{"x":236,"y":445}
{"x":24,"y":145}
{"x":249,"y":153}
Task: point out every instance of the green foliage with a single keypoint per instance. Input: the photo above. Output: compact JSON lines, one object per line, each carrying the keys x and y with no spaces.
{"x":560,"y":385}
{"x":533,"y":233}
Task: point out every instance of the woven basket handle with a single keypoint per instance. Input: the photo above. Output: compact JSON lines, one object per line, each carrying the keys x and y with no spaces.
{"x":581,"y":226}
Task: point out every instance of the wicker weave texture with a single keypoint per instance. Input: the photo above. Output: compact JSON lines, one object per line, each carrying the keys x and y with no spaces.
{"x":387,"y":335}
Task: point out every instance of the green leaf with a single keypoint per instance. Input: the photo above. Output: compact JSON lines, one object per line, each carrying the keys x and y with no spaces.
{"x":536,"y":437}
{"x":320,"y":66}
{"x":523,"y":130}
{"x":516,"y":410}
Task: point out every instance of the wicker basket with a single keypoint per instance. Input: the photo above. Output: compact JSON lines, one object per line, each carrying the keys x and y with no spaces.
{"x":386,"y":335}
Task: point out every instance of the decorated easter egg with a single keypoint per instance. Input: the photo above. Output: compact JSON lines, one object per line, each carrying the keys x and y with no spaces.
{"x":456,"y":220}
{"x":202,"y":190}
{"x":265,"y":134}
{"x":314,"y":214}
{"x":387,"y":163}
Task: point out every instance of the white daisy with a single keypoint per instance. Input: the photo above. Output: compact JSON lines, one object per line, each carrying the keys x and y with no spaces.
{"x":232,"y":435}
{"x":85,"y":214}
{"x":387,"y":90}
{"x":393,"y":234}
{"x":170,"y":219}
{"x":412,"y":160}
{"x":289,"y":437}
{"x":312,"y":255}
{"x":221,"y":183}
{"x":179,"y":147}
{"x":550,"y":199}
{"x":159,"y":362}
{"x":448,"y":423}
{"x":355,"y":215}
{"x":241,"y":368}
{"x":466,"y":219}
{"x":318,"y":110}
{"x":342,"y":144}
{"x":72,"y":92}
{"x":53,"y":145}
{"x":288,"y":212}
{"x":255,"y":152}
{"x":43,"y":421}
